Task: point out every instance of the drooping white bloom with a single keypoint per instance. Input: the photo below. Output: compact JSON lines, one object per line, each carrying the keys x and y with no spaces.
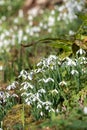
{"x":27,"y":85}
{"x":23,"y":74}
{"x":51,"y":21}
{"x":1,"y":67}
{"x":30,"y":75}
{"x":85,"y":110}
{"x":51,"y":110}
{"x":57,"y":110}
{"x":3,"y":18}
{"x":12,"y":86}
{"x":54,"y":91}
{"x":14,"y":95}
{"x":40,"y":63}
{"x":1,"y":94}
{"x":82,"y":60}
{"x":49,"y":30}
{"x":52,"y":12}
{"x":46,"y":80}
{"x":41,"y":24}
{"x":16,"y":20}
{"x":81,"y":51}
{"x":62,"y":83}
{"x":30,"y":18}
{"x":41,"y":113}
{"x":21,"y":13}
{"x":70,"y":62}
{"x":20,"y":35}
{"x":25,"y":38}
{"x":74,"y":72}
{"x":36,"y":29}
{"x":2,"y":2}
{"x":47,"y":103}
{"x":71,"y":32}
{"x":47,"y":107}
{"x":39,"y":105}
{"x":41,"y":90}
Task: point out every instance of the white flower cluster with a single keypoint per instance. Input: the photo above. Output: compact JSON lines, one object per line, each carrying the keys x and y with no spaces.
{"x":41,"y":87}
{"x":51,"y":61}
{"x":68,"y":10}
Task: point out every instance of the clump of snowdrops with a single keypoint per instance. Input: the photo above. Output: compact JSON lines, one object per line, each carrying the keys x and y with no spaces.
{"x":52,"y":83}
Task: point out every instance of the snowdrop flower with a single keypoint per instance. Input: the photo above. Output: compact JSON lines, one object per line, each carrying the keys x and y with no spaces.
{"x":21,"y":13}
{"x":1,"y":67}
{"x":30,"y":23}
{"x":36,"y":29}
{"x":24,"y":93}
{"x":12,"y":86}
{"x":41,"y":113}
{"x":47,"y":103}
{"x":51,"y":110}
{"x":3,"y":18}
{"x":62,"y":83}
{"x":52,"y":57}
{"x":41,"y":24}
{"x":85,"y":110}
{"x":20,"y":35}
{"x":28,"y":102}
{"x":27,"y":30}
{"x":47,"y":107}
{"x":25,"y":38}
{"x":27,"y":85}
{"x":39,"y":105}
{"x":61,"y":8}
{"x":49,"y":30}
{"x":30,"y":17}
{"x":49,"y":62}
{"x":45,"y":26}
{"x":81,"y":51}
{"x":40,"y":63}
{"x":53,"y":12}
{"x":2,"y":36}
{"x":31,"y":33}
{"x":46,"y":80}
{"x":82,"y":60}
{"x":70,"y":62}
{"x":2,"y":2}
{"x":7,"y":95}
{"x":51,"y":21}
{"x":38,"y":70}
{"x":74,"y":72}
{"x":7,"y":33}
{"x":1,"y":94}
{"x":16,"y":20}
{"x":30,"y":75}
{"x":14,"y":95}
{"x":57,"y":110}
{"x":71,"y":32}
{"x":54,"y":91}
{"x":33,"y":11}
{"x":41,"y":90}
{"x":23,"y":74}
